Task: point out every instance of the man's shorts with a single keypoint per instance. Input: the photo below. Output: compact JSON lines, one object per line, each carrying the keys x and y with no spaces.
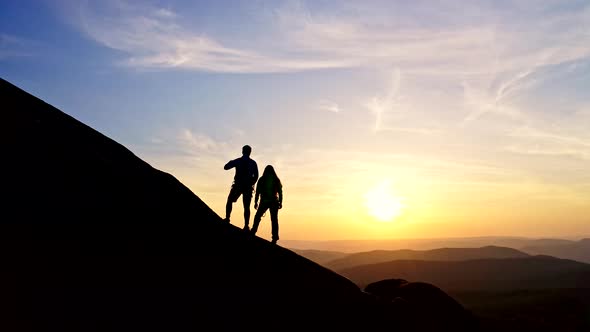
{"x":237,"y":190}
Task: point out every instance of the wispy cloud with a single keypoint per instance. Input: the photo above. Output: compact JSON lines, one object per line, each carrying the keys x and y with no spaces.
{"x":383,"y":105}
{"x":184,"y":144}
{"x":12,"y":46}
{"x":534,"y":141}
{"x":491,"y":93}
{"x":199,"y":142}
{"x":153,"y":38}
{"x":483,"y":64}
{"x":329,"y":106}
{"x":455,"y":47}
{"x":311,"y":39}
{"x":480,"y":101}
{"x":392,"y":110}
{"x":361,"y":42}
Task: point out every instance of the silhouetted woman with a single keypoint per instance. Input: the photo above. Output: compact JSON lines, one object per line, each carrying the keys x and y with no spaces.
{"x":270,"y":192}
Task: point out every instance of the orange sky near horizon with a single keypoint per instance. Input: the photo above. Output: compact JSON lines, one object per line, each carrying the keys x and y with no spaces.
{"x":330,"y":205}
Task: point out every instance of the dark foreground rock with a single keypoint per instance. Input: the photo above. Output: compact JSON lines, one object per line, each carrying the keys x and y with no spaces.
{"x":426,"y":306}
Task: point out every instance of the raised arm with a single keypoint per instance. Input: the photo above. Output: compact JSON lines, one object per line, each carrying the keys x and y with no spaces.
{"x":230,"y":164}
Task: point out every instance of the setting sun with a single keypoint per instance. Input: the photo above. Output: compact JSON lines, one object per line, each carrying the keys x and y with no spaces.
{"x":382,"y":203}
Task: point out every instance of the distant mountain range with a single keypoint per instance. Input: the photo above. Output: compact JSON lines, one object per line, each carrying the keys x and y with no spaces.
{"x":488,"y":268}
{"x":508,"y":289}
{"x":355,"y":246}
{"x":536,"y":272}
{"x":442,"y":254}
{"x":320,"y":256}
{"x":576,"y":250}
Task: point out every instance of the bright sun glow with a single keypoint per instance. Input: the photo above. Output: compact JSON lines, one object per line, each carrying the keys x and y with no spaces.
{"x":382,"y":203}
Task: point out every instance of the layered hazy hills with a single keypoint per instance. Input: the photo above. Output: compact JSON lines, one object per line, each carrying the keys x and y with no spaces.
{"x":507,"y":289}
{"x":354,"y":246}
{"x":489,"y":268}
{"x":535,"y":272}
{"x":442,"y":254}
{"x":320,"y":256}
{"x":92,"y":238}
{"x":576,"y":250}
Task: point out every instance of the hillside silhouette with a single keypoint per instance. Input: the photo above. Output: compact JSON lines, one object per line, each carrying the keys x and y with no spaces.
{"x":94,"y":239}
{"x":441,"y":254}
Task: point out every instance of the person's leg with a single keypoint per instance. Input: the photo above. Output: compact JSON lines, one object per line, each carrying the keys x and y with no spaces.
{"x":228,"y":209}
{"x":247,"y":198}
{"x":274,"y":219}
{"x":258,"y":216}
{"x":231,"y":198}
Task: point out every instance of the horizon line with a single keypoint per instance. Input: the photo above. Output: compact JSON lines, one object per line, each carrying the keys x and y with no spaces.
{"x":563,"y":237}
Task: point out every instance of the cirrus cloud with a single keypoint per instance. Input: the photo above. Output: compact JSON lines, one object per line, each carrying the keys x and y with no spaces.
{"x":308,"y":39}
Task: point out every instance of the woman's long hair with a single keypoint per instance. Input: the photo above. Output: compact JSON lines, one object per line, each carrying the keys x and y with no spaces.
{"x":269,"y":174}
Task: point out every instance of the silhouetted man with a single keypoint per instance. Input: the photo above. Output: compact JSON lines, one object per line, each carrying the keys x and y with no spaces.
{"x":244,"y":180}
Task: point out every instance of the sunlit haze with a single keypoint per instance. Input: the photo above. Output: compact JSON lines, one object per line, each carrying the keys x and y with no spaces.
{"x":382,"y":204}
{"x":383,"y":119}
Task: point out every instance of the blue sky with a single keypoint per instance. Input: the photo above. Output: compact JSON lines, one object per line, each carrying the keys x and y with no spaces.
{"x":472,"y":115}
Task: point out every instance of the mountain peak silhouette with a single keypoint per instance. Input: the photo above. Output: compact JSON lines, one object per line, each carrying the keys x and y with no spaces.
{"x":94,"y":238}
